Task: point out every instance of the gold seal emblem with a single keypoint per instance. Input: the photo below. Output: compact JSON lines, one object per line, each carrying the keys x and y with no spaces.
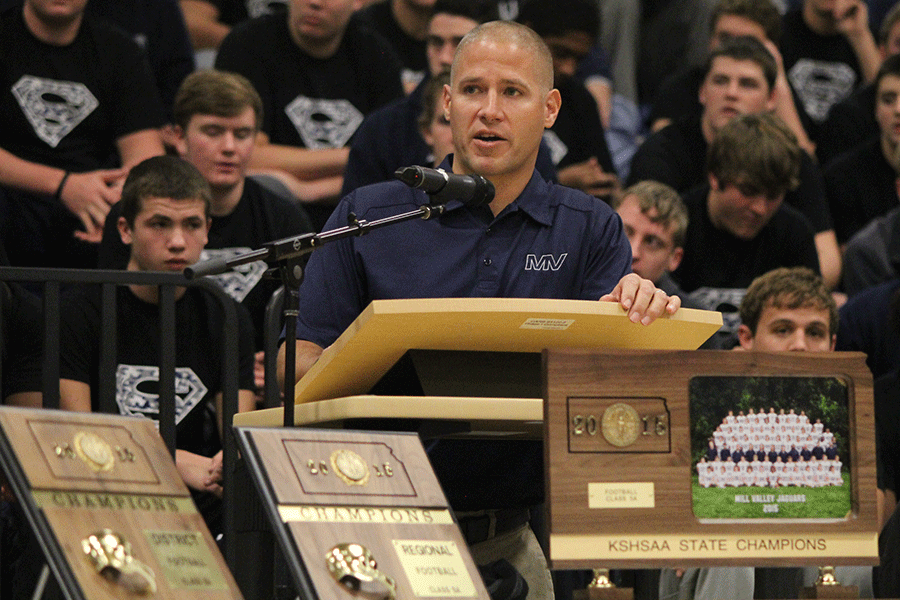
{"x":350,"y":467}
{"x":621,"y":425}
{"x":93,"y":450}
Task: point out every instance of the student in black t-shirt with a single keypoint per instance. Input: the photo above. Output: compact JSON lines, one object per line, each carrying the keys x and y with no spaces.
{"x":576,"y":140}
{"x":739,"y":227}
{"x":78,"y":107}
{"x":217,"y":116}
{"x":740,"y":79}
{"x":404,"y":24}
{"x":828,"y":51}
{"x":319,"y":73}
{"x":165,"y":221}
{"x":759,"y":19}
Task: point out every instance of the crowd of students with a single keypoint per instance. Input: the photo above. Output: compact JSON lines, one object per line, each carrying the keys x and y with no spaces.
{"x":753,"y":135}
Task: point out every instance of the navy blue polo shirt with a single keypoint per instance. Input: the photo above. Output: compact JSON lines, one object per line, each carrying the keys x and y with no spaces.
{"x":551,"y":242}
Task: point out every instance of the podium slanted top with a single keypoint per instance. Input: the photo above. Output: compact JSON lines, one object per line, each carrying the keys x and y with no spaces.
{"x":386,"y":329}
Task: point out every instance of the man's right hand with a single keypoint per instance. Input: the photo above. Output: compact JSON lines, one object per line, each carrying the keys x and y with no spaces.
{"x":89,"y":195}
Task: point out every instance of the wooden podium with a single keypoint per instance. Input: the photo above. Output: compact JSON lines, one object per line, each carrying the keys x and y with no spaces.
{"x":477,"y":359}
{"x":108,"y":507}
{"x":476,"y":362}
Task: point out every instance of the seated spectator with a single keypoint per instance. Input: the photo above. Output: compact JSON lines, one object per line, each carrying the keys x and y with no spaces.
{"x":740,"y":79}
{"x":319,"y":73}
{"x":739,"y":227}
{"x":861,"y":183}
{"x":209,"y":21}
{"x":788,"y":309}
{"x":730,"y":19}
{"x":828,"y":51}
{"x":165,"y":220}
{"x":655,"y":221}
{"x":158,"y":27}
{"x":852,"y":121}
{"x":434,"y":125}
{"x":870,"y":323}
{"x":62,"y":161}
{"x":576,"y":140}
{"x":404,"y":24}
{"x":218,"y":115}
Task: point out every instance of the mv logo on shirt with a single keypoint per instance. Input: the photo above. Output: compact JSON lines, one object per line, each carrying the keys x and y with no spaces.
{"x":135,"y":398}
{"x":547,"y":262}
{"x":54,"y":108}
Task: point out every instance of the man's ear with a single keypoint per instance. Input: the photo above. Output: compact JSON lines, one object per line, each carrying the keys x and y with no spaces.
{"x":675,"y":258}
{"x":445,"y":95}
{"x":179,"y":142}
{"x":745,"y":337}
{"x":124,"y":230}
{"x":554,"y":101}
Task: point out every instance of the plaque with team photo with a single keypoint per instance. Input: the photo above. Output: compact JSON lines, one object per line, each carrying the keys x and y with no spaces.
{"x":703,"y":458}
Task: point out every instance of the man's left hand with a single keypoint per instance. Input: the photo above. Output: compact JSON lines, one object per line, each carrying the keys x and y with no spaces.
{"x":642,"y":300}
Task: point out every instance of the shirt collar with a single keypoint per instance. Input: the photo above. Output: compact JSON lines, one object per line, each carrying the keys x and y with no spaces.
{"x":533,"y":201}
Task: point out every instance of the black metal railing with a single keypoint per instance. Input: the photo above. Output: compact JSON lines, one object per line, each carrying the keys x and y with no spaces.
{"x":51,"y":282}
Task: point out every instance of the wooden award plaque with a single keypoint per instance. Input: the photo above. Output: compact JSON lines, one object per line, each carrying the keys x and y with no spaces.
{"x":108,"y":507}
{"x":359,"y":514}
{"x":627,"y":436}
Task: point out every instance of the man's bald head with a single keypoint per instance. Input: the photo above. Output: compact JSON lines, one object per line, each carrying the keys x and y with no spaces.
{"x":511,"y":33}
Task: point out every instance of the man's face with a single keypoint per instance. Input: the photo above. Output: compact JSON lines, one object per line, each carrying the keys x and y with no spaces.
{"x":498,"y":106}
{"x":732,"y":26}
{"x":444,"y":34}
{"x":652,"y":250}
{"x":56,"y":11}
{"x":887,"y":109}
{"x":783,"y":329}
{"x":731,"y":88}
{"x":741,"y":212}
{"x":567,"y":51}
{"x":220,"y":147}
{"x":168,"y":235}
{"x":319,"y":22}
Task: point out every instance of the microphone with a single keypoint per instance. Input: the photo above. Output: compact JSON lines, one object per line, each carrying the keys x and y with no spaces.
{"x":471,"y":190}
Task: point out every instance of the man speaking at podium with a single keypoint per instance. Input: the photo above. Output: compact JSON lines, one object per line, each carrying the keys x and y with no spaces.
{"x":534,"y":240}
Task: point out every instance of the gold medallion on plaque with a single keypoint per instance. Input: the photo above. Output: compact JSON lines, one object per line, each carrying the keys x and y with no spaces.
{"x":94,"y":451}
{"x":621,"y":425}
{"x":350,"y":467}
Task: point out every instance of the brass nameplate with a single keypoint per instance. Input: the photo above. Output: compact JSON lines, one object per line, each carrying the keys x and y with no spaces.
{"x":618,"y":425}
{"x":185,"y":560}
{"x":650,"y":548}
{"x":364,"y":514}
{"x":435,"y":568}
{"x":621,"y":495}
